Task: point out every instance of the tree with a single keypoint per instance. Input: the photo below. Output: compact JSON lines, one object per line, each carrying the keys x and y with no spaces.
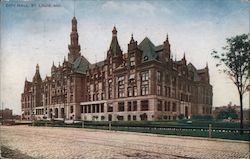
{"x":181,"y":116}
{"x":234,"y":61}
{"x":228,"y":113}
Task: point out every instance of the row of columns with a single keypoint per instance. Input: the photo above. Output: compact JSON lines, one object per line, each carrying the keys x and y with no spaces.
{"x":93,"y":108}
{"x":56,"y":113}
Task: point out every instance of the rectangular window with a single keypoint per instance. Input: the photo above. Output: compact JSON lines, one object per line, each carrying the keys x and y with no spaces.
{"x":129,"y":117}
{"x":174,"y":107}
{"x":130,"y":92}
{"x":120,"y":106}
{"x":102,"y":107}
{"x":168,"y":106}
{"x":158,"y":76}
{"x":121,"y":92}
{"x":134,"y":117}
{"x":165,"y":106}
{"x":173,"y":93}
{"x":158,"y":90}
{"x":144,"y":76}
{"x":110,"y":108}
{"x":81,"y":109}
{"x":134,"y":105}
{"x":144,"y":105}
{"x":110,"y":89}
{"x":89,"y":108}
{"x":135,"y":91}
{"x":93,"y":108}
{"x":144,"y":90}
{"x":98,"y":108}
{"x":174,"y":81}
{"x":120,"y":118}
{"x":129,"y":106}
{"x":144,"y":83}
{"x":159,"y":105}
{"x":85,"y":109}
{"x":168,"y":93}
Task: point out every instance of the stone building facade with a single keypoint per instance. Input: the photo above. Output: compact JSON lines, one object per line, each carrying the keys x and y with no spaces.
{"x":6,"y":114}
{"x":143,"y":84}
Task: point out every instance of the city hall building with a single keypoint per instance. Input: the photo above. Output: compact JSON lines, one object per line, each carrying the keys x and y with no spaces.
{"x":145,"y":83}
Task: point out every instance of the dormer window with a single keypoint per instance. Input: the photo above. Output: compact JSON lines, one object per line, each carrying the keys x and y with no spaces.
{"x":132,"y":61}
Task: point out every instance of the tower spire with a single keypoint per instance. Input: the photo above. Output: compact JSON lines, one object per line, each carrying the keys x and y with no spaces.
{"x":114,"y":46}
{"x":74,"y":47}
{"x":37,"y":67}
{"x":167,"y":51}
{"x":132,"y":38}
{"x":114,"y":31}
{"x":37,"y":77}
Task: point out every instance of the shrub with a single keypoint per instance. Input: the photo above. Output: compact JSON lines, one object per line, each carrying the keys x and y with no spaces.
{"x":202,"y":117}
{"x":181,"y":116}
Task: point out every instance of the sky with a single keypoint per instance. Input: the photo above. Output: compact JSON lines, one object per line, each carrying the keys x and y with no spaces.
{"x":38,"y":32}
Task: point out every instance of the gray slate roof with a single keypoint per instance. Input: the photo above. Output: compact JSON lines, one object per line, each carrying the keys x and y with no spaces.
{"x":148,"y":49}
{"x":81,"y":65}
{"x":99,"y":64}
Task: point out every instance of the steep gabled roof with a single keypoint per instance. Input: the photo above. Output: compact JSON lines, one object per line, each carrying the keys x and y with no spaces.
{"x":37,"y":77}
{"x":98,"y":64}
{"x":148,"y":49}
{"x":80,"y":65}
{"x":194,"y":70}
{"x":159,"y":47}
{"x":115,"y":47}
{"x":202,"y":70}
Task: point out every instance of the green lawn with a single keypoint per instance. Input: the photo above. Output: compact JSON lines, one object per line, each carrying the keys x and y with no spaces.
{"x":179,"y":128}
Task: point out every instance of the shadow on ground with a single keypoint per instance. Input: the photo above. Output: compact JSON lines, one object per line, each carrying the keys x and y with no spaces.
{"x":7,"y":153}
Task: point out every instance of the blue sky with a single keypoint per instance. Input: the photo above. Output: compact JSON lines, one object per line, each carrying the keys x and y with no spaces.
{"x":31,"y":35}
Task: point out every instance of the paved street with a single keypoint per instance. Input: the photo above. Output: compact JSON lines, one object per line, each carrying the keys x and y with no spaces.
{"x":51,"y":143}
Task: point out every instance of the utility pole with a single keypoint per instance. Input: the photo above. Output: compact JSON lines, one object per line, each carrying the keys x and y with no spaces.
{"x":2,"y":113}
{"x":249,"y":87}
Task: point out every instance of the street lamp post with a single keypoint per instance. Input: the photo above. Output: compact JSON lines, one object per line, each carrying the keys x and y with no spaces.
{"x":2,"y":115}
